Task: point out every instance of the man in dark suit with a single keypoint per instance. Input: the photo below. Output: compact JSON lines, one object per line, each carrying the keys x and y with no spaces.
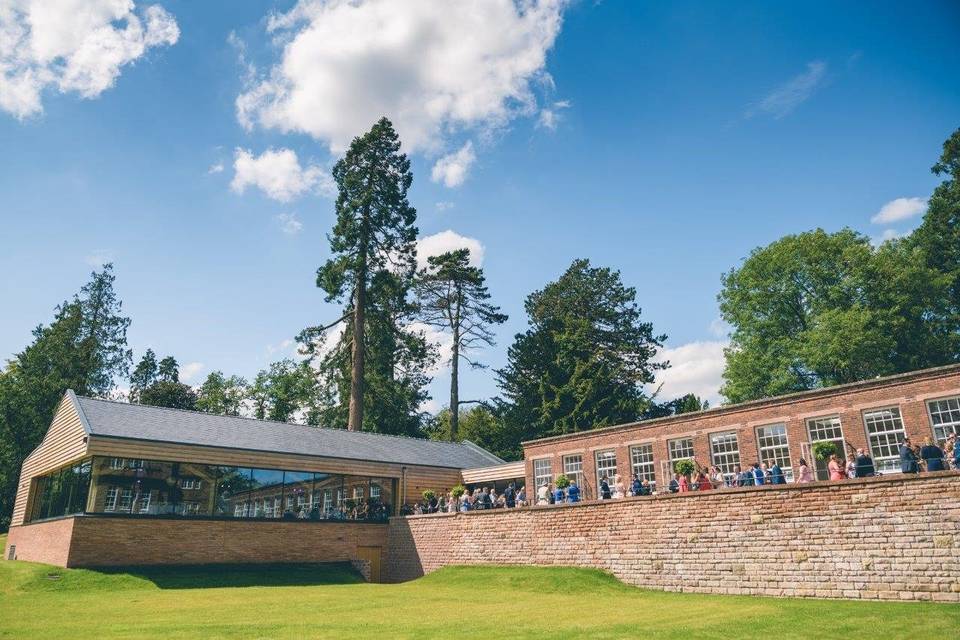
{"x":864,"y":465}
{"x":908,"y":459}
{"x":932,"y":455}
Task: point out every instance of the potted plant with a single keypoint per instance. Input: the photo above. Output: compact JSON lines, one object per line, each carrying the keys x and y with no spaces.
{"x":685,"y":467}
{"x":562,"y":482}
{"x":823,"y":450}
{"x":458,"y":491}
{"x":429,"y":494}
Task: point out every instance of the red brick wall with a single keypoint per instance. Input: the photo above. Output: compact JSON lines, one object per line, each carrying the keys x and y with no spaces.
{"x":910,"y":393}
{"x":47,"y":542}
{"x":890,"y":538}
{"x":104,"y":541}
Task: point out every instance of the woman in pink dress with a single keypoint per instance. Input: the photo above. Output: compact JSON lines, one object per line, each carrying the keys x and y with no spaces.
{"x":805,"y":475}
{"x":836,"y":469}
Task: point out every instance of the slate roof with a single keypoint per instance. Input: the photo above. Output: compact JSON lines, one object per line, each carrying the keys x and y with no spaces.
{"x":140,"y":422}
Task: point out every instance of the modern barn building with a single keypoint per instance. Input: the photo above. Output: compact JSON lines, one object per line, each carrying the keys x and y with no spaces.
{"x":120,"y":484}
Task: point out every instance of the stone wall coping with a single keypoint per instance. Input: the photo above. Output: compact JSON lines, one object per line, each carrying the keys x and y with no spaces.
{"x":171,"y":518}
{"x":713,"y":493}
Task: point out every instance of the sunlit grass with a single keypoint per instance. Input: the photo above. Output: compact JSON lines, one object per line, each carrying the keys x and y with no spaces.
{"x":39,"y":601}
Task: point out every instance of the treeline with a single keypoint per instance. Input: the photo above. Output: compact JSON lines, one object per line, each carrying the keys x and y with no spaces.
{"x":809,"y":310}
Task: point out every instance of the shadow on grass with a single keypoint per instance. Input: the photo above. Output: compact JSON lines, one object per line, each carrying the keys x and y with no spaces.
{"x":240,"y":575}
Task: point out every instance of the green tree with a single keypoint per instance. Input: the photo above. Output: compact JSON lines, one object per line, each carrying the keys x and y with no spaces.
{"x":584,"y":360}
{"x":221,"y":395}
{"x":84,"y":348}
{"x":453,"y":297}
{"x":819,"y":309}
{"x":374,"y":233}
{"x":144,"y":375}
{"x":168,"y":370}
{"x":282,"y":390}
{"x":481,"y":426}
{"x":397,"y":371}
{"x":169,"y":393}
{"x":938,"y":236}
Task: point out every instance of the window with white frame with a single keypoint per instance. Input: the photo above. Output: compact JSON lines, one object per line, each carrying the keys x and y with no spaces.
{"x":190,"y":508}
{"x":375,"y":491}
{"x":327,"y":501}
{"x":237,"y":510}
{"x":725,"y":451}
{"x":143,"y":502}
{"x":135,"y":463}
{"x":885,"y":432}
{"x":189,"y":483}
{"x":945,"y":417}
{"x":774,"y":448}
{"x":542,"y":472}
{"x":116,"y":463}
{"x":679,"y":449}
{"x":573,"y":468}
{"x":606,"y":466}
{"x":110,"y":503}
{"x":641,"y":462}
{"x":126,"y":501}
{"x":826,"y":429}
{"x":314,"y":501}
{"x":358,"y":494}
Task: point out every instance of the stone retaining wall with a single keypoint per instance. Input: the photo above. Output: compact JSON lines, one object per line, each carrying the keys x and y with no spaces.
{"x":892,"y":538}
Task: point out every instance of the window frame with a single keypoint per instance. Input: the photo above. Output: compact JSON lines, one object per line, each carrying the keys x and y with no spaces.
{"x":608,"y":454}
{"x":725,"y":467}
{"x":762,"y":449}
{"x":577,"y":472}
{"x":889,"y":463}
{"x":537,"y":476}
{"x":644,"y":469}
{"x":673,"y":457}
{"x":954,"y":423}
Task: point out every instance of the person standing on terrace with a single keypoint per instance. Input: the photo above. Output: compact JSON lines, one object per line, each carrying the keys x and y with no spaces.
{"x":573,"y":492}
{"x":776,"y":474}
{"x":835,"y":468}
{"x":908,"y":459}
{"x":605,"y":493}
{"x":804,"y":472}
{"x":759,"y":477}
{"x":932,"y":455}
{"x":865,"y":467}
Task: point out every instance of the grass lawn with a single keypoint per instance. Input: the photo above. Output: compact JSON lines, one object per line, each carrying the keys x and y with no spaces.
{"x":39,"y":601}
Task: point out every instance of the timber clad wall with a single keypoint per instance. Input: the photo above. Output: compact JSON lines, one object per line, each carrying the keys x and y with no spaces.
{"x":891,"y":537}
{"x":909,"y":392}
{"x":64,"y":442}
{"x":106,"y":541}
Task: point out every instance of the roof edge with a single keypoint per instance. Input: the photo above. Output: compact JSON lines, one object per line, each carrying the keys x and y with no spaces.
{"x":932,"y":372}
{"x":478,"y":448}
{"x":72,"y":397}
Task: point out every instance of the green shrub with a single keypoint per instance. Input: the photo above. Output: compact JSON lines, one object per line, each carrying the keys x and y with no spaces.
{"x":684,"y":467}
{"x":429,"y":495}
{"x":562,"y":481}
{"x":823,"y":450}
{"x":458,"y":491}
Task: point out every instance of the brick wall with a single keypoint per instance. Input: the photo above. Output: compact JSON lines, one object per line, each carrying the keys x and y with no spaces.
{"x":891,"y":537}
{"x":47,"y":542}
{"x":909,"y":392}
{"x":87,"y":541}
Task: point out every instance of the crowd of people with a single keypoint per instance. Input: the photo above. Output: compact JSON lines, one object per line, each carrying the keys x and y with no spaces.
{"x":927,"y":456}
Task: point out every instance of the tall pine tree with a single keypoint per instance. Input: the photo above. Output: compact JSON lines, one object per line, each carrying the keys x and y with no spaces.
{"x":453,"y":297}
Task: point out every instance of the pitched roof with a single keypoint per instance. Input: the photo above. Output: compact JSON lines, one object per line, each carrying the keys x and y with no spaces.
{"x":134,"y":421}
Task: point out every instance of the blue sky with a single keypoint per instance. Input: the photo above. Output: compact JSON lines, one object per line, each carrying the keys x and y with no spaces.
{"x":666,"y":141}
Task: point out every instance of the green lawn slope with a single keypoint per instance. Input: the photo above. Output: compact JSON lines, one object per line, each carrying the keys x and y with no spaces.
{"x":39,"y":601}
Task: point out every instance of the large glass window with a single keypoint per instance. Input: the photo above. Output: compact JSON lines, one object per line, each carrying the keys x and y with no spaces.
{"x":606,"y":467}
{"x":725,"y":451}
{"x":573,"y":468}
{"x":885,"y":431}
{"x":825,"y":429}
{"x":945,"y":417}
{"x":149,"y":487}
{"x":641,"y":462}
{"x":774,"y":448}
{"x":542,"y":472}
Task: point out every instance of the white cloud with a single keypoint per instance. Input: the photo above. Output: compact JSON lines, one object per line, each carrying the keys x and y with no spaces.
{"x":452,"y":169}
{"x":216,"y":167}
{"x":695,"y":367}
{"x":277,"y":172}
{"x":99,"y":258}
{"x":73,"y":46}
{"x":190,"y":370}
{"x":284,"y":346}
{"x":888,"y":234}
{"x":434,"y":67}
{"x":442,"y":340}
{"x":446,"y":241}
{"x":784,"y":99}
{"x":719,"y":328}
{"x":899,"y":209}
{"x":289,"y":223}
{"x":444,"y":206}
{"x":550,"y":116}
